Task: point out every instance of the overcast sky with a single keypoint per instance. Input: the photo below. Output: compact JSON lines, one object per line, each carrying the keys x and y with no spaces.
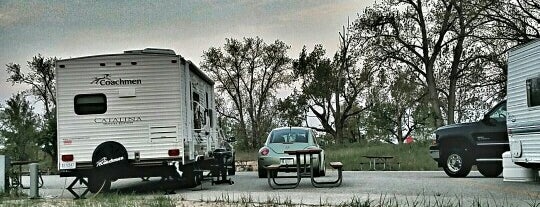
{"x":66,"y":29}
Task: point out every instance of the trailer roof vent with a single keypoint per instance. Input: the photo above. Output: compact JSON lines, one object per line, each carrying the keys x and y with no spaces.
{"x":151,"y":51}
{"x":159,"y":51}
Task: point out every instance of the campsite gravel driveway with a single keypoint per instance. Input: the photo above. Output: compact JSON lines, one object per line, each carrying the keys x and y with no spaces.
{"x":399,"y":186}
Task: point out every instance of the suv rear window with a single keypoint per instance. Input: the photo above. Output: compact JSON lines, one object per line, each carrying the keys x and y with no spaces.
{"x":90,"y":104}
{"x":533,"y":92}
{"x":289,"y":136}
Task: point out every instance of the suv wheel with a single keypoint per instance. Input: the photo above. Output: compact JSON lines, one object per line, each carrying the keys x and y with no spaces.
{"x":262,"y":172}
{"x":490,"y":170}
{"x":457,"y":163}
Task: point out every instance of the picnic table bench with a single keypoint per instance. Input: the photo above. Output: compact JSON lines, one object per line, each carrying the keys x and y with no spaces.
{"x":273,"y":169}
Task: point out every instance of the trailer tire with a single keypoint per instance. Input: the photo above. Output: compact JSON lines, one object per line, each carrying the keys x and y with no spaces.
{"x":110,"y":157}
{"x":190,"y":178}
{"x":98,"y":183}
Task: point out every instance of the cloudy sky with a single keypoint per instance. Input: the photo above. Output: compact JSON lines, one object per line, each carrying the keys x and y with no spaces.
{"x":67,"y":29}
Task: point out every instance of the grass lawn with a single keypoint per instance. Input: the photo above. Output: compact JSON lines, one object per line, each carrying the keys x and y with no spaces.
{"x":413,"y":156}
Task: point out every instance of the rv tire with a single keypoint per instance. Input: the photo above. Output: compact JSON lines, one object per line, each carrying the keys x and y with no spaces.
{"x":98,"y":183}
{"x":190,"y":177}
{"x":262,"y":172}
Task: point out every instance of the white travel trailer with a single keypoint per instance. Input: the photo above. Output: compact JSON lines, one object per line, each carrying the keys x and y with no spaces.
{"x":141,"y":113}
{"x":523,"y":104}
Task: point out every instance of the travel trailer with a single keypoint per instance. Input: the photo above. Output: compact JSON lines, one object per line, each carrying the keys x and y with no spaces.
{"x":523,"y":104}
{"x":141,"y":113}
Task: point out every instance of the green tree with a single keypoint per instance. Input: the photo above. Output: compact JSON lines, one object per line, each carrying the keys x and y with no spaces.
{"x":292,"y":110}
{"x":515,"y":20}
{"x":18,"y":129}
{"x":247,"y":74}
{"x":332,"y":88}
{"x":445,"y":44}
{"x":42,"y":81}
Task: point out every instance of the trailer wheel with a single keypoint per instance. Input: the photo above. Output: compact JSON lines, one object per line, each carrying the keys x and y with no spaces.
{"x":110,"y":156}
{"x":109,"y":159}
{"x":191,"y":177}
{"x":98,"y":183}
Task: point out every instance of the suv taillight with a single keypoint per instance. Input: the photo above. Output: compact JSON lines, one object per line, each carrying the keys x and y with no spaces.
{"x":264,"y":151}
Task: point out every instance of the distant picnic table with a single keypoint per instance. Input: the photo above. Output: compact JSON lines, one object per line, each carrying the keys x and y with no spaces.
{"x":384,"y":160}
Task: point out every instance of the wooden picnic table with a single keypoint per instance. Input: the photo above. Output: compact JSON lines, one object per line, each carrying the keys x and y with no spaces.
{"x":378,"y":159}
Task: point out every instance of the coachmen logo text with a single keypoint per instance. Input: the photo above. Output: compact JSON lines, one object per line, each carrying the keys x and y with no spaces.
{"x":107,"y":81}
{"x":104,"y":161}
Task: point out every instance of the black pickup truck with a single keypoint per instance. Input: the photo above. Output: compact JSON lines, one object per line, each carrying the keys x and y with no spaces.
{"x":458,"y":147}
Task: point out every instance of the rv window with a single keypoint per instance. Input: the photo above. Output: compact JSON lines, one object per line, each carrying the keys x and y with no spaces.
{"x":90,"y":104}
{"x":533,"y":92}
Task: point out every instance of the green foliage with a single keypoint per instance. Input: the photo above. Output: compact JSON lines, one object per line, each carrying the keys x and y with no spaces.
{"x":413,"y":156}
{"x":19,"y":124}
{"x":332,"y":88}
{"x":46,"y":138}
{"x":42,"y":81}
{"x":247,"y":73}
{"x":292,"y":109}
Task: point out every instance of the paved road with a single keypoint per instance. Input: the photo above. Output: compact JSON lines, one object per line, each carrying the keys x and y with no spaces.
{"x":388,"y":186}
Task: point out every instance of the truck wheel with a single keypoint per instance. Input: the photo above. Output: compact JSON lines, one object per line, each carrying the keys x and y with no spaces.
{"x":456,"y":163}
{"x":490,"y":170}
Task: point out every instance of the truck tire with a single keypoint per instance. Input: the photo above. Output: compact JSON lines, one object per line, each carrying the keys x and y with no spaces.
{"x":457,"y":163}
{"x":490,"y":170}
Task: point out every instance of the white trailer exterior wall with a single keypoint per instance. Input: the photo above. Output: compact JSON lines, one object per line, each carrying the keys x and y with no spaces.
{"x":523,"y":121}
{"x":148,"y":113}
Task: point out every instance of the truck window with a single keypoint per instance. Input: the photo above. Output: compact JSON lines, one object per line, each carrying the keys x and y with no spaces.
{"x":90,"y":104}
{"x":533,"y":92}
{"x":499,"y":113}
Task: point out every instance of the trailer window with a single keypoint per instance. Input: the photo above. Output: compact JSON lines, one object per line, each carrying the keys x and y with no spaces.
{"x":533,"y":92}
{"x":90,"y":104}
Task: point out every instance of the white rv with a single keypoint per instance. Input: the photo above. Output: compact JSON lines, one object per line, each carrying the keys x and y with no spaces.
{"x":523,"y":104}
{"x":141,"y":113}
